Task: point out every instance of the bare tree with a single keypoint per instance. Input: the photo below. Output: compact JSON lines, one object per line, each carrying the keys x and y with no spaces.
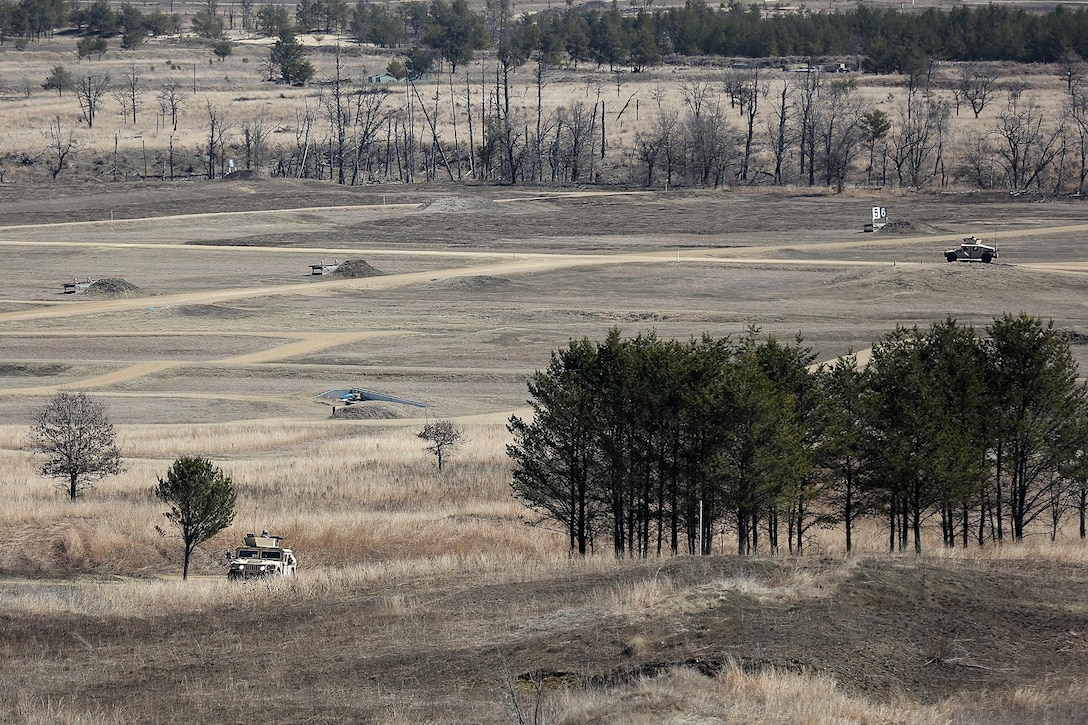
{"x":915,"y":144}
{"x":1073,"y":70}
{"x":255,"y":135}
{"x":337,"y":108}
{"x":77,"y":439}
{"x":1078,"y":113}
{"x":370,"y":115}
{"x":442,"y":437}
{"x":977,"y":85}
{"x":662,"y":147}
{"x":217,"y":130}
{"x":130,"y":86}
{"x":1026,"y":146}
{"x":578,"y":126}
{"x":781,"y":134}
{"x":89,"y":92}
{"x":839,"y":111}
{"x":170,"y":99}
{"x":808,"y":94}
{"x":750,"y":91}
{"x":61,"y":146}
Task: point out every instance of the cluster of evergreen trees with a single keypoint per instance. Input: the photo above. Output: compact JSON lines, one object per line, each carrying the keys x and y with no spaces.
{"x":656,"y":446}
{"x":890,"y":40}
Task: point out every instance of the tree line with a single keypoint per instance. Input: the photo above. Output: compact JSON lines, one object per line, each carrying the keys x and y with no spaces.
{"x":650,"y":446}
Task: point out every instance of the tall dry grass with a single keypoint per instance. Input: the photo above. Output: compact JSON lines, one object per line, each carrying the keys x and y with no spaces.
{"x":342,"y":494}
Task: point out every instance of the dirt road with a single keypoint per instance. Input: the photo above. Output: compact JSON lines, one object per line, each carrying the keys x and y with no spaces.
{"x":491,"y":264}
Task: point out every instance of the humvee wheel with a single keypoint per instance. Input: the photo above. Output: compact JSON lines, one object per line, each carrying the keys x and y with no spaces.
{"x":986,"y":257}
{"x":950,"y":256}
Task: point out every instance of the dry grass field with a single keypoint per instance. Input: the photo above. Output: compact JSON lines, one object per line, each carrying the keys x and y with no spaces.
{"x":427,"y":597}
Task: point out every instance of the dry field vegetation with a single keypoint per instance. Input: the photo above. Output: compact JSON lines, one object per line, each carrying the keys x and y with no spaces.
{"x":119,"y":148}
{"x":427,"y":597}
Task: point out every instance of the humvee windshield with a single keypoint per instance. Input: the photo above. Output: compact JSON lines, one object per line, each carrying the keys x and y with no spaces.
{"x":247,"y":553}
{"x":271,"y":555}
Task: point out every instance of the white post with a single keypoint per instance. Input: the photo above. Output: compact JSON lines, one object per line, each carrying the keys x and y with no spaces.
{"x":700,"y":527}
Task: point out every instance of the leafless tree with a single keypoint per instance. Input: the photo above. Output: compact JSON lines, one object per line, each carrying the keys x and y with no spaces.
{"x":170,"y":99}
{"x":750,"y":91}
{"x":370,"y":115}
{"x":662,"y":147}
{"x":807,"y":97}
{"x":336,"y":105}
{"x":217,"y":131}
{"x":255,"y":134}
{"x":1074,"y":71}
{"x":781,"y":133}
{"x":839,"y":112}
{"x":578,"y":123}
{"x":76,"y":437}
{"x":130,"y":86}
{"x":977,"y":160}
{"x":1026,"y":145}
{"x":977,"y":85}
{"x":442,"y":437}
{"x":61,"y":146}
{"x":917,"y":140}
{"x":1078,"y":114}
{"x":89,"y":92}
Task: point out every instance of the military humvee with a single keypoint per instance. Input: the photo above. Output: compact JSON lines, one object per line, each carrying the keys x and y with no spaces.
{"x":971,"y":250}
{"x":262,"y":556}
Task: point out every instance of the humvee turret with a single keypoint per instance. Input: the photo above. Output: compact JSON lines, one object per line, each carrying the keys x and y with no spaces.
{"x":262,"y":556}
{"x":972,"y":250}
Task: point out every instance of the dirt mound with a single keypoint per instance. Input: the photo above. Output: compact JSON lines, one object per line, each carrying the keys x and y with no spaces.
{"x":904,"y":226}
{"x":457,"y":205}
{"x":113,"y":287}
{"x":364,"y":412}
{"x":479,"y":283}
{"x":950,"y":278}
{"x":357,"y":268}
{"x":217,"y":311}
{"x":245,"y":175}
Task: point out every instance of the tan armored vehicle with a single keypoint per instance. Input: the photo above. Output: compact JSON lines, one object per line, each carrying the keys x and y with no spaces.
{"x":262,"y":556}
{"x":972,"y":250}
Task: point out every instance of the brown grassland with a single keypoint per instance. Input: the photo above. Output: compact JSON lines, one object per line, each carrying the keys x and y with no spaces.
{"x":432,"y":598}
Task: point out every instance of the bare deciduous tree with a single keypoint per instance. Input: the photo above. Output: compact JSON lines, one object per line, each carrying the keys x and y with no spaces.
{"x":77,"y":439}
{"x":369,"y":118}
{"x":1026,"y":145}
{"x":977,"y":85}
{"x":217,"y":131}
{"x":916,"y":142}
{"x":170,"y":99}
{"x":255,"y":135}
{"x":130,"y":86}
{"x":89,"y":92}
{"x":442,"y":437}
{"x":61,"y":146}
{"x":781,"y":134}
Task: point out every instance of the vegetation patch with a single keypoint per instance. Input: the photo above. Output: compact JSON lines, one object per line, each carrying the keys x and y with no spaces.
{"x":28,"y":370}
{"x":218,"y":311}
